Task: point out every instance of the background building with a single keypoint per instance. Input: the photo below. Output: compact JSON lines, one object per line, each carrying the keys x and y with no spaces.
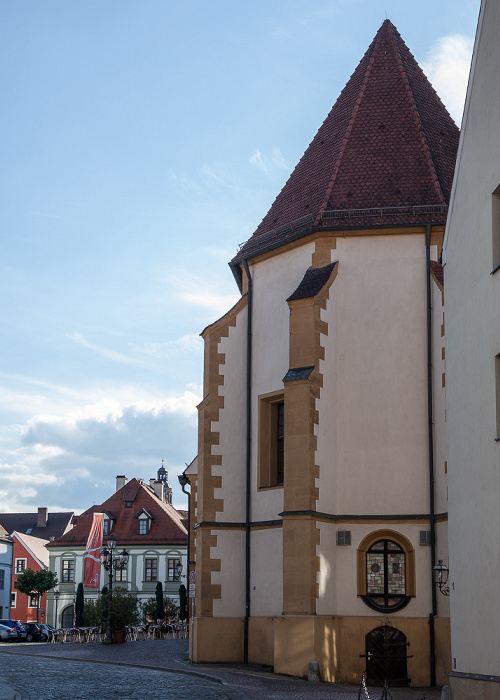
{"x":29,"y":553}
{"x":144,"y":522}
{"x":319,"y":495}
{"x":472,"y":275}
{"x":6,"y":547}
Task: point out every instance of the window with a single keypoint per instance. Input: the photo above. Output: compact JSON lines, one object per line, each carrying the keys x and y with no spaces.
{"x":172,"y":571}
{"x":495,"y":229}
{"x":68,"y":570}
{"x":2,"y":579}
{"x":143,"y":526}
{"x":151,"y":569}
{"x":128,"y":504}
{"x":271,"y":440}
{"x":121,"y":574}
{"x":386,"y":571}
{"x":13,"y":599}
{"x":20,"y":566}
{"x":106,"y":526}
{"x":68,"y":616}
{"x":33,"y":600}
{"x":343,"y":538}
{"x":425,"y":538}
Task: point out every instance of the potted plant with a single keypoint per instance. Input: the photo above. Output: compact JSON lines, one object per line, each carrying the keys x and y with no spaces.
{"x":123,"y":612}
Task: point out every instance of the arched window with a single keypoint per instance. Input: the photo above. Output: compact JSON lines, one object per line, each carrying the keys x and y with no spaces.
{"x":386,"y":571}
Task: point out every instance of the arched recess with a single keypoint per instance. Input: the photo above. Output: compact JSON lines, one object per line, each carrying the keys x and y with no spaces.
{"x":68,"y":616}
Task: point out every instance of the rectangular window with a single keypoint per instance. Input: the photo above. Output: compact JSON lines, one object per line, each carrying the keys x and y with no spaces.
{"x":143,"y":526}
{"x":172,"y":570}
{"x":344,"y":538}
{"x":106,"y":527}
{"x":20,"y":565}
{"x":151,"y":569}
{"x":271,"y":440}
{"x":68,"y":570}
{"x":495,"y":229}
{"x":33,"y":600}
{"x":425,"y":538}
{"x":2,"y":579}
{"x":121,"y":574}
{"x":13,"y":600}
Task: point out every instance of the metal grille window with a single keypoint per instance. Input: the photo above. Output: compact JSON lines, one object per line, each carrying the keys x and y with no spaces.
{"x":151,"y":569}
{"x":343,"y":538}
{"x":2,"y":579}
{"x":68,"y":570}
{"x":425,"y":538}
{"x":385,"y":575}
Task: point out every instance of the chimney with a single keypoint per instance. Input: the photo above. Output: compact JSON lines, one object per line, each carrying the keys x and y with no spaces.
{"x":120,"y":482}
{"x":152,"y":483}
{"x":158,"y":487}
{"x":43,"y":514}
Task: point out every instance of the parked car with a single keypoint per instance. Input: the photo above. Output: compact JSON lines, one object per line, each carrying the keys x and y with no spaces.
{"x":34,"y":632}
{"x":49,"y":631}
{"x":8,"y":634}
{"x":17,"y":625}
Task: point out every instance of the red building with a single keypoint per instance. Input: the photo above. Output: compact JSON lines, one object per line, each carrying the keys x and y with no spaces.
{"x":29,"y":553}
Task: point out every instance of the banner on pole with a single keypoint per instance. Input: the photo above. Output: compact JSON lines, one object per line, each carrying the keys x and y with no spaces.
{"x":92,"y":553}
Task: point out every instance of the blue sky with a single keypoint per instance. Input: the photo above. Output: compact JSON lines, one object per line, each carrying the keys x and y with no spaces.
{"x":142,"y":142}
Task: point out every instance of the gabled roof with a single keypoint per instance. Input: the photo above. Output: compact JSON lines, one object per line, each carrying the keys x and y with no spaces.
{"x":167,"y":525}
{"x":4,"y":535}
{"x":35,"y":546}
{"x":384,"y":156}
{"x":57,"y":524}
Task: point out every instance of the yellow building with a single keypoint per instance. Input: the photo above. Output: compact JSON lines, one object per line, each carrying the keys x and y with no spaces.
{"x":319,"y":497}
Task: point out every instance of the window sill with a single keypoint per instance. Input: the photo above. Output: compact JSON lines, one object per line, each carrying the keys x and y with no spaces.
{"x":495,"y":270}
{"x":269,"y":488}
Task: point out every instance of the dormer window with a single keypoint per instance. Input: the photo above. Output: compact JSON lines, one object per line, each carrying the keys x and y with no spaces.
{"x":144,"y":522}
{"x":107,"y":523}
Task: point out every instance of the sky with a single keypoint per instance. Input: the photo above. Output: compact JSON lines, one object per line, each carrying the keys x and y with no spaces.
{"x":141,"y":142}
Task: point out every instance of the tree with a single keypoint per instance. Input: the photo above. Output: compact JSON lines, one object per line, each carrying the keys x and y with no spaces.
{"x":37,"y":583}
{"x":171,"y":610}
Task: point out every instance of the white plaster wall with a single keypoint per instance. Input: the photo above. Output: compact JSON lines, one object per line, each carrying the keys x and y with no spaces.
{"x":232,"y":423}
{"x":472,"y":305}
{"x":382,"y":367}
{"x":266,"y":582}
{"x":439,"y":403}
{"x":274,"y":281}
{"x":230,"y":550}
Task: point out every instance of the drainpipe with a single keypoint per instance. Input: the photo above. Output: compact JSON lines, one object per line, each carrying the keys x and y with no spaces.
{"x":184,"y":481}
{"x":248,"y":463}
{"x":432,"y":484}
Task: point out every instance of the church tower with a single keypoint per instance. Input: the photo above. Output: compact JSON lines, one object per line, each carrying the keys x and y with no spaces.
{"x":320,"y":500}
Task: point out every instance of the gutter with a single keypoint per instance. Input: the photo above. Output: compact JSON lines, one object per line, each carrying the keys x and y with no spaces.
{"x":430,"y":432}
{"x":248,"y":462}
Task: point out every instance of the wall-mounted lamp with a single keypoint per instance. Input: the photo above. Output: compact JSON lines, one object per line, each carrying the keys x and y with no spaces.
{"x":440,"y":574}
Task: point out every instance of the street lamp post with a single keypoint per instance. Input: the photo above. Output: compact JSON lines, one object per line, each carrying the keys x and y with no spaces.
{"x":111,"y":563}
{"x":56,"y":598}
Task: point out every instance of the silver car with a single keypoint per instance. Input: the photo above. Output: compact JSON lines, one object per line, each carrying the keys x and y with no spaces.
{"x":8,"y":634}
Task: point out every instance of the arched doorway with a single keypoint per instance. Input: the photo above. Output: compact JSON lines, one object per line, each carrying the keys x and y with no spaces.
{"x":67,"y":617}
{"x":386,"y":657}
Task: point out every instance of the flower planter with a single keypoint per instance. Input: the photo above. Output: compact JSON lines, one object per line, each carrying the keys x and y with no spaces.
{"x":119,"y":636}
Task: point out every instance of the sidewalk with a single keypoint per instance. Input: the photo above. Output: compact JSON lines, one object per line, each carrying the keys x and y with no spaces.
{"x":241,"y":681}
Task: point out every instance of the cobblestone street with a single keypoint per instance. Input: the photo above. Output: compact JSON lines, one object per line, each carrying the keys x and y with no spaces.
{"x":154,"y":669}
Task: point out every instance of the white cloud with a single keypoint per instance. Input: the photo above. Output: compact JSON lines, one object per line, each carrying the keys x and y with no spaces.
{"x":112,"y":355}
{"x":189,"y":343}
{"x":270,"y":165}
{"x":447,"y":67}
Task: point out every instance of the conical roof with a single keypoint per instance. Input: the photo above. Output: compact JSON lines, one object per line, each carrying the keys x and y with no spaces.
{"x":384,"y":156}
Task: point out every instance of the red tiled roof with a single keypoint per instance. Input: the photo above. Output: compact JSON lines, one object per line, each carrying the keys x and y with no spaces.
{"x":167,"y":526}
{"x":437,"y":272}
{"x":387,"y":146}
{"x":313,"y":282}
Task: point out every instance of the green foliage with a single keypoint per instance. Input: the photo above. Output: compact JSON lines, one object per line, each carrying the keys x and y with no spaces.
{"x":124,"y":610}
{"x":148,"y":609}
{"x":30,"y":582}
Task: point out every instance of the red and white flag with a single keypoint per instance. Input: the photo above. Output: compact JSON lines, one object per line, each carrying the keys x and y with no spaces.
{"x":93,"y":552}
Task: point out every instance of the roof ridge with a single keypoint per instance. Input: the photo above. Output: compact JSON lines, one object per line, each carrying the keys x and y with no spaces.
{"x":348,"y":130}
{"x":416,"y":112}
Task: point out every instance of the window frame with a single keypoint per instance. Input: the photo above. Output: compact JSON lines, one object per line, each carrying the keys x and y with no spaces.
{"x":153,"y":577}
{"x":69,"y":570}
{"x":18,"y":561}
{"x":33,"y":600}
{"x":143,"y":523}
{"x":271,"y":454}
{"x":409,"y":552}
{"x":2,"y":579}
{"x":13,"y":599}
{"x":172,"y":568}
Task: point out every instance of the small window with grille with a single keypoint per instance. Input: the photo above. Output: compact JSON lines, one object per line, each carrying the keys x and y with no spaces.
{"x":344,"y":538}
{"x":425,"y":538}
